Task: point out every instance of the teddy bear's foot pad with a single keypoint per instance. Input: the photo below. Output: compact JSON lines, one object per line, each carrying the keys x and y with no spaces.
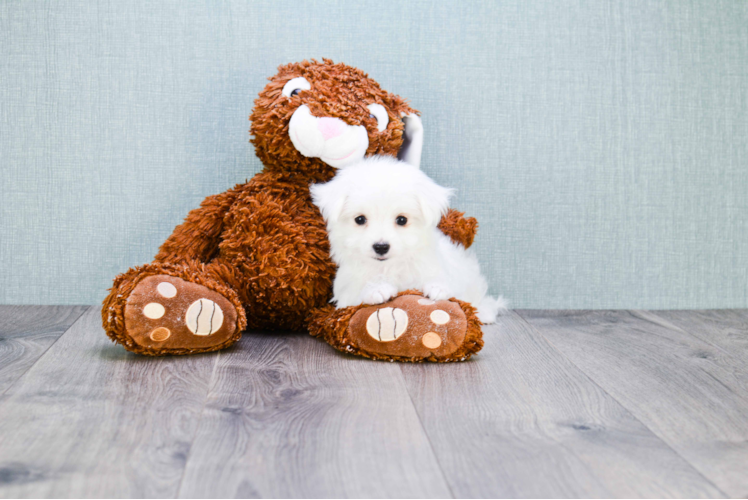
{"x":164,"y":312}
{"x":410,"y":326}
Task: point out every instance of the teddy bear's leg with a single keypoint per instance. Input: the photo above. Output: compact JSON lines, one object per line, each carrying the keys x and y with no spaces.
{"x":408,"y":328}
{"x":161,"y":309}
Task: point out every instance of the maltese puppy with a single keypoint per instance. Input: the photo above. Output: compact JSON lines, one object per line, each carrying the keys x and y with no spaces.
{"x":381,"y":217}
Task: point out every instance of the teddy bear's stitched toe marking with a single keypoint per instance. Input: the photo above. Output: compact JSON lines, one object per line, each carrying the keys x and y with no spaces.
{"x":426,"y":302}
{"x":439,"y":317}
{"x":387,"y":324}
{"x":431,"y":340}
{"x":167,"y":290}
{"x":204,"y":317}
{"x":154,"y":310}
{"x":160,"y":334}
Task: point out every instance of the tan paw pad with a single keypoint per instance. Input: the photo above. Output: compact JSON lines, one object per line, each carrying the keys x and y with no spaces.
{"x":167,"y":290}
{"x":439,"y":317}
{"x":431,"y":340}
{"x":160,"y":334}
{"x":387,"y":324}
{"x":204,"y":317}
{"x":154,"y":310}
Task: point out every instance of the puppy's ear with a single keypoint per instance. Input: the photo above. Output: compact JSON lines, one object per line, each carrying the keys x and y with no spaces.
{"x":329,"y":198}
{"x":433,"y":200}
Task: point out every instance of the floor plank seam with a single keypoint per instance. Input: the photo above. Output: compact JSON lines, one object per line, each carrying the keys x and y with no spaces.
{"x":425,"y":433}
{"x":17,"y":380}
{"x":672,"y":325}
{"x":698,"y":338}
{"x":680,"y":329}
{"x":199,"y":421}
{"x":633,"y":416}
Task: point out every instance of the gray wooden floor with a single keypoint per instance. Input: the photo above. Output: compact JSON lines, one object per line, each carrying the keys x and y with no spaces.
{"x":558,"y":404}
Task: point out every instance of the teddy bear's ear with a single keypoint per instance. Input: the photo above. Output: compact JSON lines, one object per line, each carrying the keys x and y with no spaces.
{"x":410,"y":152}
{"x":329,"y":198}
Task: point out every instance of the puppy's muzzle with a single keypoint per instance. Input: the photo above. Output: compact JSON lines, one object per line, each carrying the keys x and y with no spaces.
{"x":381,"y":248}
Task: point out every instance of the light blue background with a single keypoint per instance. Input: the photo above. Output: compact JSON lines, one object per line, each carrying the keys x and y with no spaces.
{"x":603,"y":145}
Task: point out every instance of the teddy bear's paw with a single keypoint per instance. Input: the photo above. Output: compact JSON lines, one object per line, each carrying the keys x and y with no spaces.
{"x":170,"y":314}
{"x":410,"y":327}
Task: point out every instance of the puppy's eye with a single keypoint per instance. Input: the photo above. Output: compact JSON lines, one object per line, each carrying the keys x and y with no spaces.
{"x":295,"y":85}
{"x":401,"y":220}
{"x":378,"y":112}
{"x":360,"y":220}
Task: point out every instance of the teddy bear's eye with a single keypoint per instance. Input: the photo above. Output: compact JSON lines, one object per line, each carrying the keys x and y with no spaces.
{"x":378,"y":112}
{"x":360,"y":220}
{"x":295,"y":85}
{"x":401,"y":220}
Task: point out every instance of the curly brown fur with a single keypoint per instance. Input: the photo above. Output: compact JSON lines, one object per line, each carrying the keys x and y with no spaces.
{"x":263,"y":244}
{"x":459,"y":228}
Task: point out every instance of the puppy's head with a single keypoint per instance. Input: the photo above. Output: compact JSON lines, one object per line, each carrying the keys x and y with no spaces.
{"x":380,"y":209}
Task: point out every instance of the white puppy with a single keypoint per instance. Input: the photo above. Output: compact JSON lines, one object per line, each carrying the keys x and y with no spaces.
{"x":381,"y":217}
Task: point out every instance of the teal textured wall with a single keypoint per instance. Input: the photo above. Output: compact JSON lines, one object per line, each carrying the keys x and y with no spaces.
{"x":603,"y":145}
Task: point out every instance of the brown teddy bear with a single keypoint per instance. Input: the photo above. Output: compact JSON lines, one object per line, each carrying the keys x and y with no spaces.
{"x":257,"y":255}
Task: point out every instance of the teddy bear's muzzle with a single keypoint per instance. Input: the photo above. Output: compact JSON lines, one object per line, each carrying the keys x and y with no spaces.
{"x":330,"y":139}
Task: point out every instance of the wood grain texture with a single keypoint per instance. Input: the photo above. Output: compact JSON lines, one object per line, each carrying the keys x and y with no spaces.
{"x":521,"y":421}
{"x":687,"y":391}
{"x":26,"y":332}
{"x":91,"y":420}
{"x":558,"y":404}
{"x":724,"y":328}
{"x":288,"y":416}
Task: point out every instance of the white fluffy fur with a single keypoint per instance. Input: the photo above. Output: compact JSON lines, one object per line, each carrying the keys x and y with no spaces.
{"x":420,"y":256}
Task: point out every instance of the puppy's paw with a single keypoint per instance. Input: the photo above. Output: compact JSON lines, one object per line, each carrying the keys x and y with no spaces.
{"x":437,"y":291}
{"x":378,"y":293}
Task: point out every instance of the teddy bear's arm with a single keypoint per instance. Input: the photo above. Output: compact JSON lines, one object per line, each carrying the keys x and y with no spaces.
{"x":460,"y":229}
{"x":197,"y":238}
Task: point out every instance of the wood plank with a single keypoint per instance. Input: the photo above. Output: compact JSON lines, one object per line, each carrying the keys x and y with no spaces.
{"x":288,"y":416}
{"x":91,"y":420}
{"x":725,"y":328}
{"x":519,"y":420}
{"x":685,"y":390}
{"x":26,"y":332}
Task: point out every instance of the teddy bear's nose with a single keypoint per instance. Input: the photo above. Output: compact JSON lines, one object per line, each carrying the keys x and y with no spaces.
{"x":330,"y":127}
{"x":381,"y":248}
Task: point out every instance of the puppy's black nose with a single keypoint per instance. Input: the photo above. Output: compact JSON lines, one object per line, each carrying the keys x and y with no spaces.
{"x":381,"y":248}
